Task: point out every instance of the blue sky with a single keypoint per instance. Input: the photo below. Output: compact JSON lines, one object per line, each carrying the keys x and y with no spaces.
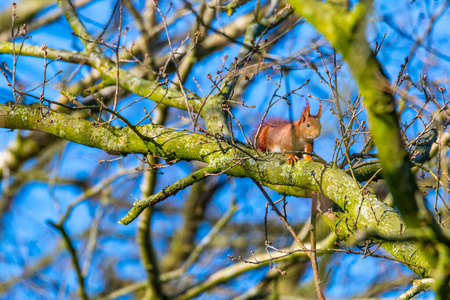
{"x":25,"y":237}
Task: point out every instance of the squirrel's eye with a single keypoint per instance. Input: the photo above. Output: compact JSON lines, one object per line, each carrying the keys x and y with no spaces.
{"x":308,"y":125}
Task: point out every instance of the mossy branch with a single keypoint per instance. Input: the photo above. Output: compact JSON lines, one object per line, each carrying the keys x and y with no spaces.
{"x":355,"y":209}
{"x":346,"y":31}
{"x":72,"y":17}
{"x":171,"y":190}
{"x":152,"y":90}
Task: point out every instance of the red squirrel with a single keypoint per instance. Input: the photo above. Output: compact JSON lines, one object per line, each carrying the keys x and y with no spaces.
{"x":278,"y":135}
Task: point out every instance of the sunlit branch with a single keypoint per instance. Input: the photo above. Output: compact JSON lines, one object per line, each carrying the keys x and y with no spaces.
{"x":171,"y":190}
{"x":183,"y":145}
{"x":137,"y":85}
{"x":419,"y":286}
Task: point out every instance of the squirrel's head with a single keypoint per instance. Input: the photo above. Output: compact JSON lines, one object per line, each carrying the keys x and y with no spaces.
{"x":309,"y":125}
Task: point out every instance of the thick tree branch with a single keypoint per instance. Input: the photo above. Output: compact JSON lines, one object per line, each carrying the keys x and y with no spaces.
{"x":72,"y":17}
{"x":356,"y":210}
{"x":152,"y":90}
{"x":346,"y":31}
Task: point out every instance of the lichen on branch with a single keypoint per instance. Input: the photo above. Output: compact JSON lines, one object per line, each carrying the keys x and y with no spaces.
{"x":355,"y":209}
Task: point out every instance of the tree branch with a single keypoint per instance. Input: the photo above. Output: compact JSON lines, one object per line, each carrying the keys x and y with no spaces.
{"x":171,"y":190}
{"x":355,"y":209}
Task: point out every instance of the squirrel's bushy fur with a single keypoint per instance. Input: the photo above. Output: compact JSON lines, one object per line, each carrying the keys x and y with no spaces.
{"x":280,"y":135}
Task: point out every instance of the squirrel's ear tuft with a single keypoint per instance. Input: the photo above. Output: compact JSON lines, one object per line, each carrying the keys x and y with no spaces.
{"x":320,"y":109}
{"x":306,"y":112}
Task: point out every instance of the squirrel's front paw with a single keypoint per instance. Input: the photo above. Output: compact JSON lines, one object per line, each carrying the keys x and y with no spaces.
{"x":293,"y":159}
